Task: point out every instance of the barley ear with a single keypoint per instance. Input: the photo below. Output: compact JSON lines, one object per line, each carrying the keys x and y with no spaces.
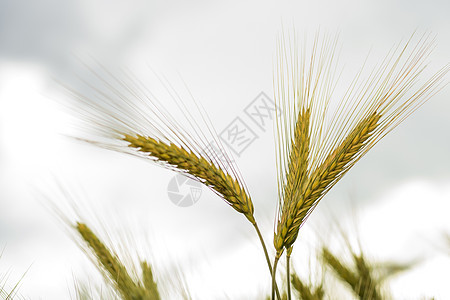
{"x":362,"y":281}
{"x":298,"y":158}
{"x":110,"y":263}
{"x":307,"y":291}
{"x":297,"y":169}
{"x":202,"y":169}
{"x":335,"y":165}
{"x":342,"y":271}
{"x":150,"y":287}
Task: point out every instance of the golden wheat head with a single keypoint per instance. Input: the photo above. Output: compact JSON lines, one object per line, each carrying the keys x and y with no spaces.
{"x":110,"y":263}
{"x":125,"y":285}
{"x":318,"y":145}
{"x":223,"y":184}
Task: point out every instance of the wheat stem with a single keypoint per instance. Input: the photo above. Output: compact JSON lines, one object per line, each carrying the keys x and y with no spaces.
{"x":274,"y":272}
{"x":269,"y":264}
{"x":288,"y":272}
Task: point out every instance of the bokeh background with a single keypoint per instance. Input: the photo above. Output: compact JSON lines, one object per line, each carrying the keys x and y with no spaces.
{"x":396,"y":199}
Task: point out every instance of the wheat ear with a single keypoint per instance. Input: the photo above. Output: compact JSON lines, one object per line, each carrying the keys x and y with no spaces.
{"x":370,"y":108}
{"x":321,"y":180}
{"x":298,"y":158}
{"x":296,"y":170}
{"x":110,"y":263}
{"x":128,"y":288}
{"x":307,"y":291}
{"x":221,"y":182}
{"x":150,"y":287}
{"x":361,"y":280}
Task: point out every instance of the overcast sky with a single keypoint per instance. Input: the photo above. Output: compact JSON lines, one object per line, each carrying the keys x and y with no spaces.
{"x":224,"y":51}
